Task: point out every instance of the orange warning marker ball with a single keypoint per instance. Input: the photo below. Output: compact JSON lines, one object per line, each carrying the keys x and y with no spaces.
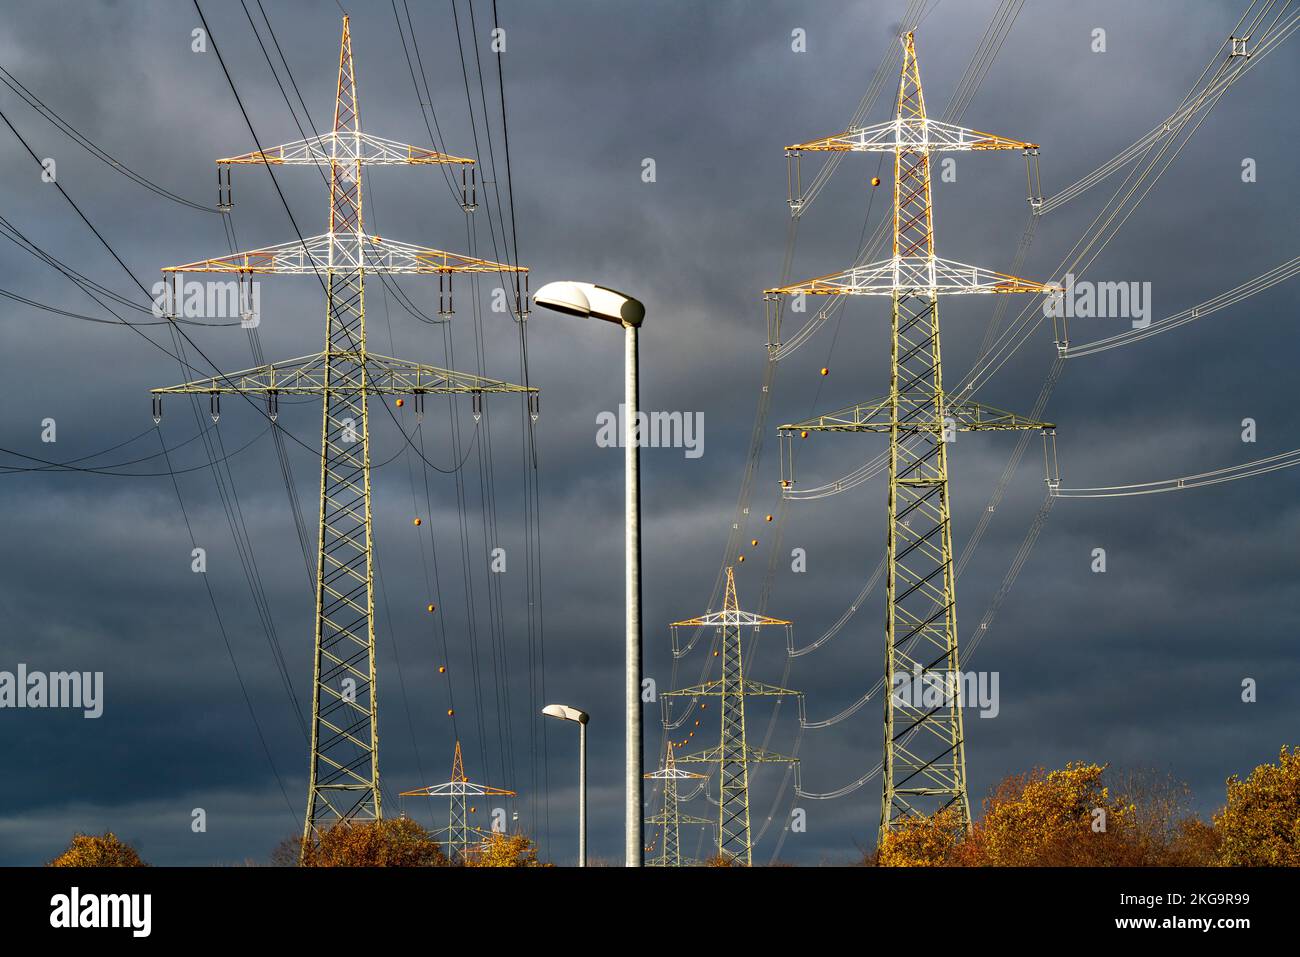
{"x":431,"y":607}
{"x":740,"y":558}
{"x":399,"y":403}
{"x":825,"y":371}
{"x":753,"y":541}
{"x":442,"y":669}
{"x":875,"y":181}
{"x":715,"y":654}
{"x":769,"y":518}
{"x":450,"y":712}
{"x":417,"y":521}
{"x":803,"y":434}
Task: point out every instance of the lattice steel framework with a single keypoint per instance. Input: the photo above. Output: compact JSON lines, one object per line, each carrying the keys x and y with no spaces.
{"x":344,"y":770}
{"x":924,"y":756}
{"x":733,"y":754}
{"x":670,"y":818}
{"x":459,"y":836}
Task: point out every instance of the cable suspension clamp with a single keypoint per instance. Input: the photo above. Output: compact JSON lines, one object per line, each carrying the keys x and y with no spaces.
{"x":246,"y":315}
{"x":794,"y":181}
{"x":1051,"y":467}
{"x":772,"y":313}
{"x":522,"y":294}
{"x":1033,"y":179}
{"x":172,"y":304}
{"x":446,"y":302}
{"x":469,"y":187}
{"x":225,"y":202}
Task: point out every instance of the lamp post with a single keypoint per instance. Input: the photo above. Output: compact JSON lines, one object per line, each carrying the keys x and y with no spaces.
{"x":565,"y":713}
{"x":596,"y":302}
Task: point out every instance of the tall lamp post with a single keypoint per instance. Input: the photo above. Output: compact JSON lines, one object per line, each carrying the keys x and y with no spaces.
{"x":596,"y":302}
{"x":565,"y":713}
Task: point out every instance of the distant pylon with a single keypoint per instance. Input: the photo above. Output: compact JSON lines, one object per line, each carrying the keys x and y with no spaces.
{"x":344,"y":769}
{"x":459,"y":836}
{"x":670,"y":818}
{"x":733,"y":754}
{"x":924,"y":746}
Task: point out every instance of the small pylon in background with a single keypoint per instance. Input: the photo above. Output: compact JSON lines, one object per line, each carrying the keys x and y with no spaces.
{"x":670,"y":819}
{"x":733,"y":754}
{"x":459,"y":837}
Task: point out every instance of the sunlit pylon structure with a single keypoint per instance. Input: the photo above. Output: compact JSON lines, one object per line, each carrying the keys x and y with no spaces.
{"x":924,"y":747}
{"x":459,"y":837}
{"x":669,"y":818}
{"x":733,"y":755}
{"x":344,"y":770}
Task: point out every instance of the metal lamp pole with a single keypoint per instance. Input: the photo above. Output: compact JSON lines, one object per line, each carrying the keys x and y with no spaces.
{"x":588,"y":300}
{"x":565,"y":713}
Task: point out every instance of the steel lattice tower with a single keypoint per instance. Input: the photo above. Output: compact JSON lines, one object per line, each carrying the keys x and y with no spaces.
{"x":924,"y":750}
{"x":344,"y":773}
{"x":459,"y":836}
{"x":733,"y":754}
{"x":670,"y":819}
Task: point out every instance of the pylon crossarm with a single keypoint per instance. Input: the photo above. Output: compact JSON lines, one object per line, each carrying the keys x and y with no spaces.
{"x":752,"y":687}
{"x":730,"y":617}
{"x":913,"y":275}
{"x":917,"y":413}
{"x":707,"y":688}
{"x":384,"y":376}
{"x":456,"y":789}
{"x":346,"y":146}
{"x":910,"y":134}
{"x":673,"y":774}
{"x":351,"y":251}
{"x":711,"y":756}
{"x":661,"y":818}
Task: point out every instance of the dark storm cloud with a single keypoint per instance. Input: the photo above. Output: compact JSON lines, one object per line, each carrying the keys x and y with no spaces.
{"x":1141,"y":666}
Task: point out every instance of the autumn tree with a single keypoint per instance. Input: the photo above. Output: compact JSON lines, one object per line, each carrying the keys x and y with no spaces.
{"x":1260,"y":824}
{"x":98,"y":850}
{"x":1064,"y":818}
{"x":393,"y":842}
{"x":505,"y":850}
{"x":919,"y":841}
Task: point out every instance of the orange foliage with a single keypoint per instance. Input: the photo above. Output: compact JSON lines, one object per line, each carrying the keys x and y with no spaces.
{"x":394,"y":842}
{"x":1260,"y":824}
{"x":98,"y":850}
{"x":505,"y":850}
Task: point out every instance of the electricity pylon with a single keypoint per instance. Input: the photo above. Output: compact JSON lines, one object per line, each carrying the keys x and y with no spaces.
{"x":459,"y":835}
{"x":924,"y":748}
{"x":670,"y":819}
{"x":344,"y":775}
{"x":733,"y":754}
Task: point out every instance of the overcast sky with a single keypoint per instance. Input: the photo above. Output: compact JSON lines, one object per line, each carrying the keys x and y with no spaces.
{"x":1141,"y":666}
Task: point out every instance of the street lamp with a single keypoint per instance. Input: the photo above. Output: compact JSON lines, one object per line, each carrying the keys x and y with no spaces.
{"x":565,"y":713}
{"x":596,"y":302}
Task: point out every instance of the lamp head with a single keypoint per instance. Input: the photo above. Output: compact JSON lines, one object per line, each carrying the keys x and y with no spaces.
{"x":590,"y":301}
{"x":565,"y":713}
